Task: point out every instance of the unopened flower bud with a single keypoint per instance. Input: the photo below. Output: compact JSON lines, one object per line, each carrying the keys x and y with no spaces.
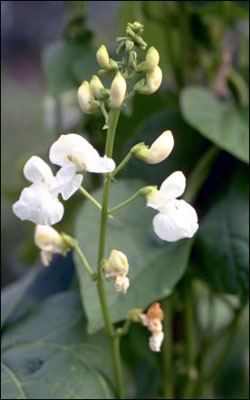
{"x":96,"y":86}
{"x":117,"y":264}
{"x":118,"y":91}
{"x":152,"y":58}
{"x":122,"y":284}
{"x":102,"y":56}
{"x":153,"y":81}
{"x":85,"y":98}
{"x":161,"y":148}
{"x":155,"y":341}
{"x":158,"y":151}
{"x":48,"y":239}
{"x":134,"y":314}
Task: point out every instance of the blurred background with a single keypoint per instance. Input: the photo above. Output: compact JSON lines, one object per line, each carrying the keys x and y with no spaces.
{"x":48,"y":48}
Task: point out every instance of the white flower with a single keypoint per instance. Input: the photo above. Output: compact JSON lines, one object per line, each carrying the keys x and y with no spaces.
{"x":74,"y":150}
{"x":176,"y":218}
{"x":49,"y":242}
{"x":155,"y":341}
{"x":117,"y":91}
{"x":36,"y":203}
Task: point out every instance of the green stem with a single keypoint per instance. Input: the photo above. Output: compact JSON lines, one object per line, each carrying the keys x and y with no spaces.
{"x":226,"y":349}
{"x":113,"y":119}
{"x":200,"y":173}
{"x":167,"y":350}
{"x":86,"y":194}
{"x":189,"y":343}
{"x":84,"y":261}
{"x":124,"y":203}
{"x":204,"y":378}
{"x":176,"y":68}
{"x":117,"y":366}
{"x":122,"y":164}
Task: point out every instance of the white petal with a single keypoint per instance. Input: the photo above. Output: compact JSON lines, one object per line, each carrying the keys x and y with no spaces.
{"x":38,"y":205}
{"x":174,"y":185}
{"x":67,"y":182}
{"x":68,"y":145}
{"x":36,"y":170}
{"x":177,"y":222}
{"x":122,"y":284}
{"x":71,"y":187}
{"x":155,"y":341}
{"x":100,"y":164}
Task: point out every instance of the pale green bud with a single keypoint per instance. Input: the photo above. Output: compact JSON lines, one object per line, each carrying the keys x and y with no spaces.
{"x":134,"y":314}
{"x":96,"y":86}
{"x":153,"y":81}
{"x":152,"y":58}
{"x":102,"y":56}
{"x":117,"y":91}
{"x":148,"y":191}
{"x":161,"y":148}
{"x":85,"y":98}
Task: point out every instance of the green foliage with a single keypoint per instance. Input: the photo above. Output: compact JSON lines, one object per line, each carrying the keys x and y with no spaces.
{"x":12,"y":295}
{"x":223,"y":240}
{"x":155,"y":266}
{"x":219,"y":121}
{"x":66,"y":65}
{"x":47,"y":354}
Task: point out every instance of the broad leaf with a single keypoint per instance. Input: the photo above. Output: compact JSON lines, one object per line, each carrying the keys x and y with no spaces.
{"x":223,"y":241}
{"x":48,"y":355}
{"x":66,"y":65}
{"x":219,"y":121}
{"x":12,"y":294}
{"x":155,"y":266}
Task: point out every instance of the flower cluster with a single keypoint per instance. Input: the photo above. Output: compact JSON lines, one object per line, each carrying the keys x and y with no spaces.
{"x":153,"y":321}
{"x":39,"y":202}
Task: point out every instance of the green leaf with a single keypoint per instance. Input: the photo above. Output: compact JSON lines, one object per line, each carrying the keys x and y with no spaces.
{"x":223,"y":241}
{"x":66,"y":65}
{"x":12,"y":294}
{"x":219,"y":121}
{"x":49,"y":356}
{"x":155,"y":266}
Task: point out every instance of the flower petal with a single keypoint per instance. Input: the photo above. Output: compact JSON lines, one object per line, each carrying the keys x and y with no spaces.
{"x":100,"y":164}
{"x":177,"y":222}
{"x":36,"y":170}
{"x":174,"y":185}
{"x":66,"y":146}
{"x":38,"y":205}
{"x":67,"y":182}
